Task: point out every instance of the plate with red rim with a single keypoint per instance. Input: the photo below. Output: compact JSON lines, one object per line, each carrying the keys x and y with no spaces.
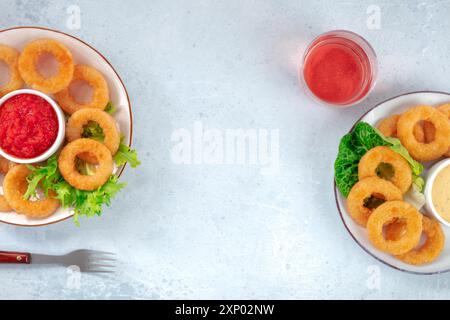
{"x":389,"y":107}
{"x":82,"y":53}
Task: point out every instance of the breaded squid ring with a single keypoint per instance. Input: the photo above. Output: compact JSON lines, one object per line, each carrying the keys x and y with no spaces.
{"x":388,"y":127}
{"x":426,"y":253}
{"x":4,"y":205}
{"x":10,"y":57}
{"x":370,"y":162}
{"x":363,"y":190}
{"x":66,"y":164}
{"x":387,"y":213}
{"x":28,"y":61}
{"x":424,"y":151}
{"x":80,"y":118}
{"x":5,"y":165}
{"x":95,"y":79}
{"x":445,"y":109}
{"x":15,"y":186}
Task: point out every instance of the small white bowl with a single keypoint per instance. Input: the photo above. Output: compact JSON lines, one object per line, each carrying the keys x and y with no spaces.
{"x":61,"y":127}
{"x":432,"y":174}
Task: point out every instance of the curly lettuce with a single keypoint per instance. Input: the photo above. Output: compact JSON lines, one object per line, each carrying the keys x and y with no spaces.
{"x":110,"y":108}
{"x":346,"y":165}
{"x":125,"y":154}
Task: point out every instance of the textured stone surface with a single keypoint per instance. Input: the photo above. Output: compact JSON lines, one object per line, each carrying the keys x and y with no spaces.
{"x":221,"y":231}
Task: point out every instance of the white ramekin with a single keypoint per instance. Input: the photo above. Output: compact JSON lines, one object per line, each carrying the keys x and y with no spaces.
{"x":61,"y":128}
{"x":432,"y":174}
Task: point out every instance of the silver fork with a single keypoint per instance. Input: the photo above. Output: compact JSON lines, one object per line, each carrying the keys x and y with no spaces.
{"x":91,"y":261}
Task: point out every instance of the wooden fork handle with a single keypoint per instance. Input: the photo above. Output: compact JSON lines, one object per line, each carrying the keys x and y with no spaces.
{"x":15,"y":257}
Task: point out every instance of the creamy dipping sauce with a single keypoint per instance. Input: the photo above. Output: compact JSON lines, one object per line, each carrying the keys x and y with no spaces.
{"x":441,"y":193}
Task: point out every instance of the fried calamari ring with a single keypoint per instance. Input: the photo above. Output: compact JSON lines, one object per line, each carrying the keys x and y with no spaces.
{"x":10,"y":57}
{"x":445,"y":109}
{"x":15,"y":186}
{"x":424,"y":151}
{"x":95,"y":79}
{"x":29,"y":58}
{"x":367,"y":194}
{"x":66,"y":164}
{"x":80,"y":118}
{"x":388,"y":127}
{"x":386,"y":214}
{"x":5,"y":165}
{"x":388,"y":165}
{"x":4,"y":205}
{"x":431,"y":248}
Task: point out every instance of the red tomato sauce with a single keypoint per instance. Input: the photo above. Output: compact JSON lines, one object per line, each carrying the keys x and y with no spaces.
{"x":28,"y":126}
{"x":335,"y":73}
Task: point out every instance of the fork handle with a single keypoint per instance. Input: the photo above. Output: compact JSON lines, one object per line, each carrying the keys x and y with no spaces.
{"x":15,"y":257}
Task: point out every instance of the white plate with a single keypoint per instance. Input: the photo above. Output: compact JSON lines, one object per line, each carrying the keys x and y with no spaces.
{"x":82,"y":54}
{"x":359,"y":234}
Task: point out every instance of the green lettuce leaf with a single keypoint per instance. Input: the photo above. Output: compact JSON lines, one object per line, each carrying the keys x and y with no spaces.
{"x":346,"y":165}
{"x":366,"y":137}
{"x":43,"y":176}
{"x":126,"y":154}
{"x":90,"y":203}
{"x":419,"y":183}
{"x":110,"y":108}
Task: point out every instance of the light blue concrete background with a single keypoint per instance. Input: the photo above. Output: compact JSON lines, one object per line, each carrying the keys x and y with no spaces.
{"x":215,"y":232}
